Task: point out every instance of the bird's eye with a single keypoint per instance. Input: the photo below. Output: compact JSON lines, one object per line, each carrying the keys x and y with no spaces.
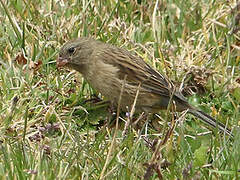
{"x":71,"y":50}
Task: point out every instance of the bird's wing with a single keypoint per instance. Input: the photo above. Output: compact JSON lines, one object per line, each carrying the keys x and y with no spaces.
{"x":137,"y":70}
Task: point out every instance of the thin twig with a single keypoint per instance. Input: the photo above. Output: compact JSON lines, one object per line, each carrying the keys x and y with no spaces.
{"x":115,"y":133}
{"x":129,"y":118}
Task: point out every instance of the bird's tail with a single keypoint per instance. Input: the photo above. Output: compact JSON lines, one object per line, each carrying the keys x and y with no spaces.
{"x":210,"y":121}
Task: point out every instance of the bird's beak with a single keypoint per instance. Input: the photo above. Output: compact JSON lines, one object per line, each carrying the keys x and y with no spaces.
{"x":61,"y":61}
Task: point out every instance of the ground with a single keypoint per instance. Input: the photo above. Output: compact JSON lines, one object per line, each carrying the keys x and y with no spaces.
{"x":53,"y":125}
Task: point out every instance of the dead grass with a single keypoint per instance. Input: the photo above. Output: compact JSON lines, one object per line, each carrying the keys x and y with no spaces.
{"x":48,"y":129}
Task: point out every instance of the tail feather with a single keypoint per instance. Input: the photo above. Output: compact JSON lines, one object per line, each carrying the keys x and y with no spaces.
{"x":210,"y":121}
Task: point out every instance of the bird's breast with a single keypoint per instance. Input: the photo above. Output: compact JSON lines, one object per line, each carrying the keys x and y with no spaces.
{"x":103,"y":78}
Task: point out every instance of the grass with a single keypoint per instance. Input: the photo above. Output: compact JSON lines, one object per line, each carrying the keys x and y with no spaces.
{"x":49,"y":128}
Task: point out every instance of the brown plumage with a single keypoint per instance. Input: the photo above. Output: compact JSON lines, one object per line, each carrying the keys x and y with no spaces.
{"x":105,"y":67}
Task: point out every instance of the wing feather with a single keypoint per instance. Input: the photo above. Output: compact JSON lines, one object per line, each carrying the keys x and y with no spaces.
{"x":137,"y":71}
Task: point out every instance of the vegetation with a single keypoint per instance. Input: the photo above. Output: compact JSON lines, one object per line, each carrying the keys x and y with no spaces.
{"x":54,"y":126}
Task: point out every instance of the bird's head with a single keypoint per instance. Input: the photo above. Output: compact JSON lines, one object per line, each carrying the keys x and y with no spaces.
{"x":75,"y":54}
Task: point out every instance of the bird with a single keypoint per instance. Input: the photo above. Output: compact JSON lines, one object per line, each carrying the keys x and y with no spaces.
{"x":108,"y":68}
